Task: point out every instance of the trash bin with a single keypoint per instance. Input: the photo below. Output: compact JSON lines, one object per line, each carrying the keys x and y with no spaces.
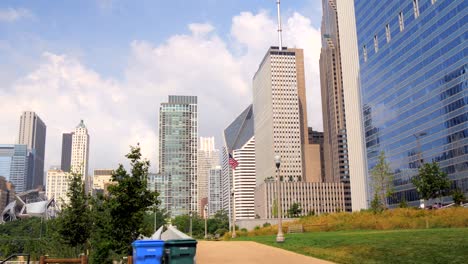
{"x":147,"y":251}
{"x":180,"y":251}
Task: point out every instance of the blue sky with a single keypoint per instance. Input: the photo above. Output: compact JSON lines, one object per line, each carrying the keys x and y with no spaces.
{"x":112,"y":62}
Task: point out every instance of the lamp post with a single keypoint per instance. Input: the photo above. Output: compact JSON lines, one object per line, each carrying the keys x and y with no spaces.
{"x":279,"y":236}
{"x":420,"y":160}
{"x":206,"y":221}
{"x":234,"y":235}
{"x":190,"y":230}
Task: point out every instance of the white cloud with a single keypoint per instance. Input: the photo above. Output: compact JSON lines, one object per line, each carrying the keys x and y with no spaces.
{"x":121,"y":113}
{"x":12,"y":14}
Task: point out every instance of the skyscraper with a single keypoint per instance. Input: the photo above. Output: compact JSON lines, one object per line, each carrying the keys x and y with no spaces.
{"x":80,"y":153}
{"x":67,"y":139}
{"x":14,"y":165}
{"x":32,"y":132}
{"x":413,"y":71}
{"x":178,"y":140}
{"x":240,"y":143}
{"x":333,"y":99}
{"x":341,"y":102}
{"x":280,"y":119}
{"x":208,"y":158}
{"x":214,"y":190}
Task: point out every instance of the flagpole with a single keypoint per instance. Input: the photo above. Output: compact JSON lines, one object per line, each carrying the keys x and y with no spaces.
{"x":234,"y":235}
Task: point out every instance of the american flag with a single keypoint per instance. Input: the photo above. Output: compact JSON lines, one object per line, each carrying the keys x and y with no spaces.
{"x":232,"y":162}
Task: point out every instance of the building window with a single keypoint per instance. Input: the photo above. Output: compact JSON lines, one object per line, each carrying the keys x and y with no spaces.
{"x":416,"y":8}
{"x":364,"y":51}
{"x":401,"y":21}
{"x":376,"y":43}
{"x":387,"y":32}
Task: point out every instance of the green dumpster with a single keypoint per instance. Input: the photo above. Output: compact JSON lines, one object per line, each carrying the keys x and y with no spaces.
{"x":180,"y":251}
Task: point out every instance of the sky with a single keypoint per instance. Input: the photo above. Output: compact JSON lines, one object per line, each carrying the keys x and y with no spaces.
{"x":112,"y":62}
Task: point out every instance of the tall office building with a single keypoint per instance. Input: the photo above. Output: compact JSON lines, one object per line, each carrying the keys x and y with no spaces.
{"x":240,"y":143}
{"x":80,"y":153}
{"x":333,"y":99}
{"x":279,"y":108}
{"x":32,"y":132}
{"x":344,"y":149}
{"x":67,"y":139}
{"x":15,"y":162}
{"x":315,"y":139}
{"x":58,"y":183}
{"x":413,"y":71}
{"x":208,"y":158}
{"x":178,"y":140}
{"x":214,"y":190}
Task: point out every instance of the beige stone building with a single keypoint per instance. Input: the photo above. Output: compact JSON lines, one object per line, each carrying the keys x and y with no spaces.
{"x":313,"y":197}
{"x":7,"y":193}
{"x":58,"y":182}
{"x":102,"y":179}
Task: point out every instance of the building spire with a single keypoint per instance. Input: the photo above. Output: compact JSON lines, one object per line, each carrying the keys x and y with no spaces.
{"x":280,"y":37}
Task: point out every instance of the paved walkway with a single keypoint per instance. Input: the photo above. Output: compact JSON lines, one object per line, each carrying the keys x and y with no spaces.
{"x":246,"y":252}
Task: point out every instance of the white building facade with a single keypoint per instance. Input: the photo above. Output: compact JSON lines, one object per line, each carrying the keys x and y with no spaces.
{"x":208,"y":158}
{"x":80,"y":153}
{"x":244,"y":181}
{"x":277,"y":118}
{"x":214,"y":191}
{"x":57,"y":186}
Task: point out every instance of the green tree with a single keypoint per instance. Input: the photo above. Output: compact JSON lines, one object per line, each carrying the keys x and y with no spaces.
{"x":295,"y":210}
{"x":74,"y":222}
{"x":161,"y":219}
{"x":376,"y":205}
{"x":458,"y":196}
{"x":382,"y":180}
{"x":431,"y":182}
{"x":182,"y":222}
{"x":128,"y":201}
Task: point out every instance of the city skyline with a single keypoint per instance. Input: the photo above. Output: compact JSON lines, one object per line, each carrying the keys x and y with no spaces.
{"x":64,"y":78}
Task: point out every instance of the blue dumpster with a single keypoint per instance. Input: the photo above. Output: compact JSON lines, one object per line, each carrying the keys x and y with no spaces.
{"x":147,"y":251}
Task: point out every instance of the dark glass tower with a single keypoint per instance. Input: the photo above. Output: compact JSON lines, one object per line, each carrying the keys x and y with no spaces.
{"x":413,"y":64}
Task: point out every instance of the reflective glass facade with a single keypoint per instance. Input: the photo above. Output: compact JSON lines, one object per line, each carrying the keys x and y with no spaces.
{"x":413,"y":64}
{"x":178,"y":140}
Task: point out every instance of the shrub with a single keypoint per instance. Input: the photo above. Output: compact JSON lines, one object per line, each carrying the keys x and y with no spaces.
{"x":266,"y":224}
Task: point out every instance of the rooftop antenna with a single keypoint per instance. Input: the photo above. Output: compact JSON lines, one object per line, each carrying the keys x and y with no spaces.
{"x":280,"y":38}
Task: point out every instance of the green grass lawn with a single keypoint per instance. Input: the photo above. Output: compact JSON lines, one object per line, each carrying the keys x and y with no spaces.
{"x":448,"y":245}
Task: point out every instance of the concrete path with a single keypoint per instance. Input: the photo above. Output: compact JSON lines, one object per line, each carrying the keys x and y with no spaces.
{"x":246,"y":252}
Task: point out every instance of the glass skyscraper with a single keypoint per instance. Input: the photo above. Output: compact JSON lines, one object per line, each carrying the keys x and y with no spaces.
{"x":14,"y":165}
{"x":413,"y":64}
{"x":178,"y":140}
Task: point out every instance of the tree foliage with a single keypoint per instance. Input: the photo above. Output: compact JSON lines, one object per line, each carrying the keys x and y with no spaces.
{"x":128,"y":201}
{"x":75,"y":218}
{"x":382,"y":180}
{"x":431,"y":182}
{"x":458,"y":196}
{"x":295,"y":210}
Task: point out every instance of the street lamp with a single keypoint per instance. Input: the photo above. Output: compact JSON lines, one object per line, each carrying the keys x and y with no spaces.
{"x":279,"y":236}
{"x":234,"y":235}
{"x":206,"y":221}
{"x":190,"y":230}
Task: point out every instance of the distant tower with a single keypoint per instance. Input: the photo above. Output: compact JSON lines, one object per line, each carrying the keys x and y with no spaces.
{"x":32,"y":132}
{"x":80,"y":153}
{"x":178,"y":140}
{"x":67,"y":139}
{"x":208,"y":158}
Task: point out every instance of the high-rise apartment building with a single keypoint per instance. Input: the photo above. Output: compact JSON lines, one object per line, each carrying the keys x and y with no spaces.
{"x":344,"y":149}
{"x":214,"y":191}
{"x":239,"y":141}
{"x":80,"y":154}
{"x":413,"y":71}
{"x":279,"y":107}
{"x":67,"y":139}
{"x":178,"y":149}
{"x":32,"y":132}
{"x":58,"y":183}
{"x":15,"y":163}
{"x":208,"y":158}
